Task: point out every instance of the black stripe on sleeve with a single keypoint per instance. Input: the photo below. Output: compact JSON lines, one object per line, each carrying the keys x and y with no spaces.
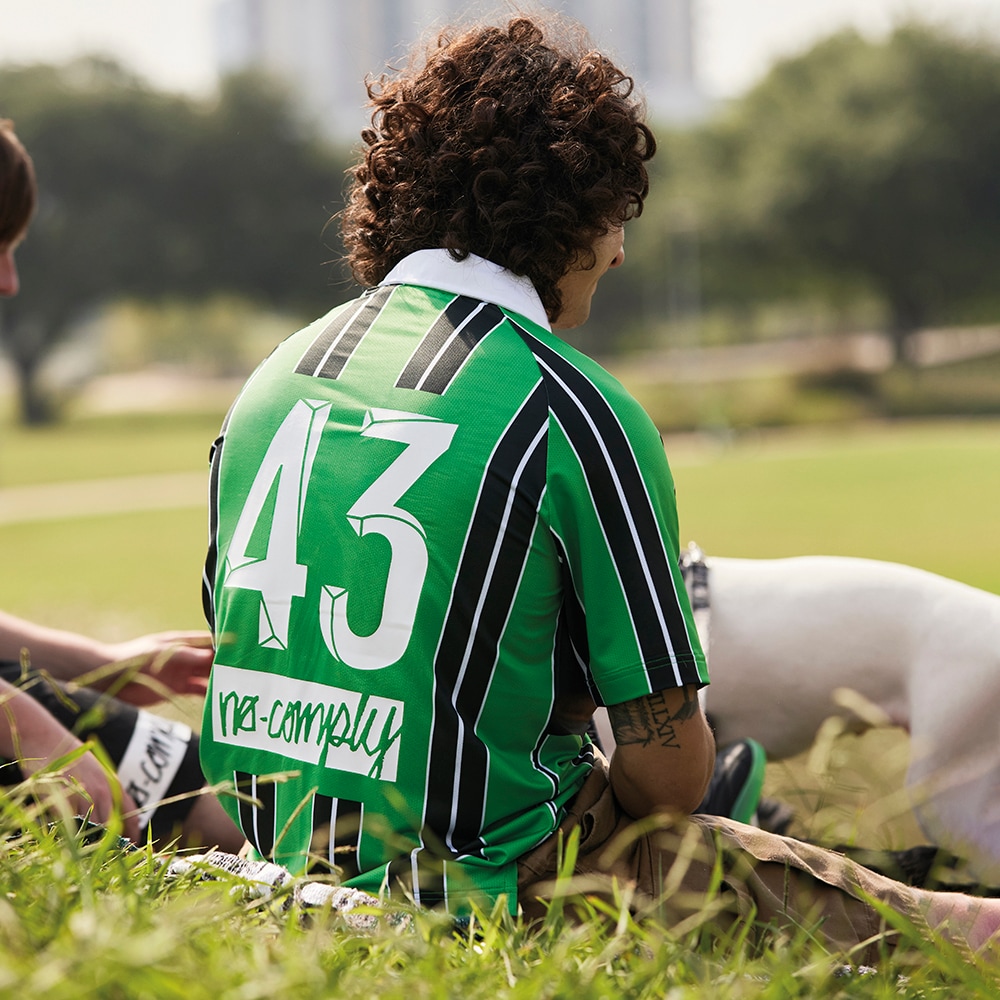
{"x":626,"y":515}
{"x":493,"y":558}
{"x":327,"y":355}
{"x":446,"y":347}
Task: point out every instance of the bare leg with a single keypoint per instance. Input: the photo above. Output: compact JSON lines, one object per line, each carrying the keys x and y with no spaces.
{"x":962,"y":918}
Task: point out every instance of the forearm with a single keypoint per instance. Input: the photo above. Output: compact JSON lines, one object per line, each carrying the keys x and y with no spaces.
{"x":664,"y":753}
{"x":179,"y":662}
{"x":35,"y":739}
{"x":647,"y":781}
{"x":28,"y":732}
{"x":63,"y":654}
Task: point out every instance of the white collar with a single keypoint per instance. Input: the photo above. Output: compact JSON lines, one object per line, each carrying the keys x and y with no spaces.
{"x":474,"y":276}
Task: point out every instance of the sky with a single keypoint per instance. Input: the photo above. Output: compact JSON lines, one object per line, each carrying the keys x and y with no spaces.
{"x":170,"y":42}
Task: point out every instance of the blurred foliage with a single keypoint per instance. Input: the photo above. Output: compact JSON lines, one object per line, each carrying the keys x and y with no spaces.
{"x":861,"y":170}
{"x":856,"y":187}
{"x":152,"y":195}
{"x":839,"y":396}
{"x":224,"y":336}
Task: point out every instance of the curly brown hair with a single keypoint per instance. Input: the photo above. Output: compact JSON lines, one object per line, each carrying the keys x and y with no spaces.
{"x":501,"y":145}
{"x":18,"y":192}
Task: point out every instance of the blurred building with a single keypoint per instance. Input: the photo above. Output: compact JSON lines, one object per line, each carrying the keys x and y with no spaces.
{"x":326,"y":48}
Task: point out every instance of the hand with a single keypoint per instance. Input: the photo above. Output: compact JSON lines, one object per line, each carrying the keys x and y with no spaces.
{"x":90,"y":791}
{"x":154,"y":666}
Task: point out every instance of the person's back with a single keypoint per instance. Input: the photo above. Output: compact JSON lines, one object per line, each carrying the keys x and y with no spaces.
{"x":422,"y":498}
{"x":439,"y":537}
{"x":429,"y":480}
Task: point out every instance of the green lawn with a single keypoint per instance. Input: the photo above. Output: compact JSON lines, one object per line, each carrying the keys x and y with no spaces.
{"x":116,"y":575}
{"x":125,"y":445}
{"x":926,"y":494}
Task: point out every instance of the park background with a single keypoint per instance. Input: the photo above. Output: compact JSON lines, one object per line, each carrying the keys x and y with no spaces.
{"x":809,"y":311}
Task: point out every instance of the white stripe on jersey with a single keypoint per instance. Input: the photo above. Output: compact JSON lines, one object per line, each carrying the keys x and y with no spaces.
{"x":640,"y":549}
{"x":480,"y":602}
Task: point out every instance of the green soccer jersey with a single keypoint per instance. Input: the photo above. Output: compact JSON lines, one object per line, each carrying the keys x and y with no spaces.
{"x":436,"y":529}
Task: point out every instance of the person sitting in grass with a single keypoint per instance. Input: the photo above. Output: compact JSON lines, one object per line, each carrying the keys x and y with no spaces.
{"x":440,"y":537}
{"x":45,"y":714}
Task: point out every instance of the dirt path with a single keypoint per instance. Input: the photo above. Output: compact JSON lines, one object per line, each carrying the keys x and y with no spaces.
{"x":96,"y":497}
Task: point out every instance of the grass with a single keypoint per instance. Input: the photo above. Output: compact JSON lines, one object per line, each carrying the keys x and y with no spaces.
{"x":923,"y":493}
{"x":81,"y":920}
{"x":117,"y":575}
{"x":133,"y":444}
{"x":88,"y":920}
{"x":91,"y":921}
{"x":114,"y":576}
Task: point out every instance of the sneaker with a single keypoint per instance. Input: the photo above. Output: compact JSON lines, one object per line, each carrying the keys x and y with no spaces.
{"x":774,"y":816}
{"x":737,"y":782}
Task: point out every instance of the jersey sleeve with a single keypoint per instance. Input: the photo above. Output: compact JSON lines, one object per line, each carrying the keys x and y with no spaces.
{"x":611,"y":508}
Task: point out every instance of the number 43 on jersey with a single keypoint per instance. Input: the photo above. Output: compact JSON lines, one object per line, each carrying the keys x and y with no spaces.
{"x":278,"y":576}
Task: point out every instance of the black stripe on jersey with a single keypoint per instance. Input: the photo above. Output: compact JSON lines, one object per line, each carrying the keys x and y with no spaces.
{"x":570,"y":667}
{"x":572,"y":647}
{"x":324,"y":818}
{"x":626,"y":515}
{"x":493,"y":558}
{"x":327,"y":355}
{"x":452,"y":318}
{"x":586,"y":754}
{"x":244,"y":786}
{"x":336,"y":825}
{"x":257,"y":821}
{"x":212,"y":556}
{"x":411,"y":874}
{"x":446,"y":346}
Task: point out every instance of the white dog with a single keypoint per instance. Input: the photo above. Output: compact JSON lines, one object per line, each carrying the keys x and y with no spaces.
{"x":786,"y":635}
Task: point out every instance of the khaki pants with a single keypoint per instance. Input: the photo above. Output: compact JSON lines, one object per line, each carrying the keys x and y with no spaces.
{"x":673,"y":867}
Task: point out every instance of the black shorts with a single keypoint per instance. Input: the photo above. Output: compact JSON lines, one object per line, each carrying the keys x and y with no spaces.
{"x":155,"y":758}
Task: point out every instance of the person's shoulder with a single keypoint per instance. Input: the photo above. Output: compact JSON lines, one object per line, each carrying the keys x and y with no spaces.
{"x":566,"y":361}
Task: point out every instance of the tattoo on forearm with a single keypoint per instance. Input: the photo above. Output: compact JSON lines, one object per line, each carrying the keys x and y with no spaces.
{"x":649,"y":720}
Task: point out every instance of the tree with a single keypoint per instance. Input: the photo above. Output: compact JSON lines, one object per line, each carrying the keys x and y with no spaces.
{"x":267,"y":187}
{"x":864,"y":163}
{"x":152,"y":195}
